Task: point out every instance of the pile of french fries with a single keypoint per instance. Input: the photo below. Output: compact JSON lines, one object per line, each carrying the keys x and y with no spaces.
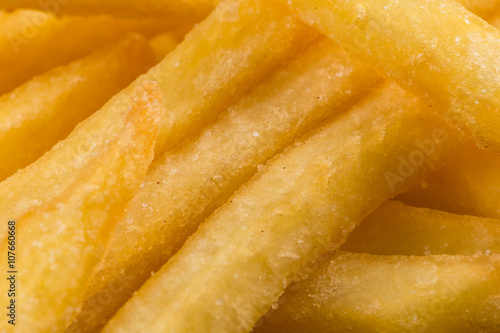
{"x":250,"y":166}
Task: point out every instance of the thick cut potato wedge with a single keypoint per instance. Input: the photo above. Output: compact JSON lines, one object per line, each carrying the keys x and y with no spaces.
{"x":166,"y":9}
{"x":395,"y":228}
{"x":242,"y":258}
{"x":35,"y":116}
{"x":185,"y":186}
{"x":369,"y":293}
{"x":61,"y":242}
{"x":33,"y":42}
{"x":435,"y":48}
{"x":468,"y":184}
{"x":221,"y":59}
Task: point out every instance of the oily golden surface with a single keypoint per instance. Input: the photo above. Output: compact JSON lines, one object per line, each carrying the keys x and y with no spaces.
{"x":469,"y":183}
{"x":395,"y":228}
{"x":162,"y":44}
{"x":63,"y":240}
{"x":242,"y":258}
{"x":218,"y":69}
{"x":185,"y":186}
{"x":165,"y":9}
{"x":219,"y":61}
{"x":369,"y":293}
{"x":435,"y":48}
{"x":33,"y":42}
{"x":482,"y":8}
{"x":35,"y":116}
{"x":54,"y":172}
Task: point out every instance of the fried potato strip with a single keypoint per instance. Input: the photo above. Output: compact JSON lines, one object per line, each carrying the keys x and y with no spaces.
{"x":370,"y":293}
{"x":469,"y":184}
{"x":33,"y":42}
{"x":395,"y":228}
{"x":166,"y":9}
{"x":239,"y":262}
{"x":35,"y":116}
{"x":434,"y":48}
{"x":219,"y":61}
{"x":54,"y":172}
{"x":62,"y":241}
{"x":186,"y":185}
{"x":193,"y":92}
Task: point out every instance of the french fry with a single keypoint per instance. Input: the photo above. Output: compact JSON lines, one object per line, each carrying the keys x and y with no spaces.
{"x":369,"y":293}
{"x":221,"y":59}
{"x":166,"y":9}
{"x":63,"y":240}
{"x":162,"y":44}
{"x":33,"y":42}
{"x":55,"y":171}
{"x":451,"y":59}
{"x":242,"y":258}
{"x":35,"y":116}
{"x":186,"y":185}
{"x":397,"y":229}
{"x":482,"y":8}
{"x":218,"y":71}
{"x":469,"y":184}
{"x":494,"y":18}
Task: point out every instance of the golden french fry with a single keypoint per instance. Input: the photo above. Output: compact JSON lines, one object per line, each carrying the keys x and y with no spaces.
{"x":221,"y":59}
{"x":482,"y":8}
{"x":35,"y":116}
{"x":162,"y":44}
{"x":166,"y":9}
{"x":397,"y":229}
{"x":369,"y":293}
{"x":62,"y":241}
{"x":54,"y":172}
{"x":33,"y":42}
{"x":242,"y":258}
{"x":185,"y":186}
{"x":469,"y":184}
{"x":219,"y":70}
{"x":494,"y":18}
{"x":451,"y":60}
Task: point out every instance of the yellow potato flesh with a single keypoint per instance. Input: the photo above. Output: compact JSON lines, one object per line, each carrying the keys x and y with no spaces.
{"x":35,"y":116}
{"x":185,"y":186}
{"x":370,"y":293}
{"x":166,"y":9}
{"x":33,"y":42}
{"x":395,"y":228}
{"x":435,"y":48}
{"x":62,"y":241}
{"x":221,"y":59}
{"x":469,"y":183}
{"x":302,"y":205}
